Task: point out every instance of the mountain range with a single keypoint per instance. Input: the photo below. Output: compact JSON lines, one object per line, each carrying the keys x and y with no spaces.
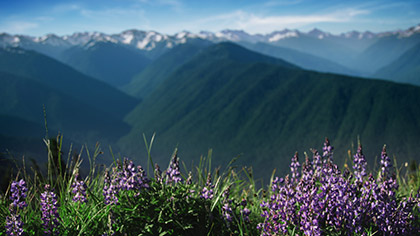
{"x":352,"y":53}
{"x":262,"y":97}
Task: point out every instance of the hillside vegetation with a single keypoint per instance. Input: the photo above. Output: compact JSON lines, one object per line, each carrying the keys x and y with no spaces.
{"x":264,"y":110}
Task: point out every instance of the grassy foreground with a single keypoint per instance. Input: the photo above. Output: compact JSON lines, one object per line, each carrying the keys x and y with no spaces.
{"x":316,"y":198}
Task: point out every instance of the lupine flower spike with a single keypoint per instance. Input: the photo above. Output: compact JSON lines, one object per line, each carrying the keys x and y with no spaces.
{"x":245,"y":212}
{"x":207,"y":192}
{"x":295,"y":167}
{"x":359,"y":165}
{"x":14,"y":224}
{"x":79,"y":190}
{"x":327,"y":151}
{"x":110,"y":190}
{"x":226,"y":208}
{"x":386,"y":164}
{"x":49,"y":208}
{"x":172,"y":173}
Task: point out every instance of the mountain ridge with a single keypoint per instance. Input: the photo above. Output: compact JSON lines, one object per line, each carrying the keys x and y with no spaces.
{"x":363,"y":53}
{"x":265,"y":112}
{"x":147,"y":40}
{"x":57,"y":75}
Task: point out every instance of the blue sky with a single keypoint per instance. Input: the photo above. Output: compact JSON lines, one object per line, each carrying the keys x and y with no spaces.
{"x":39,"y":17}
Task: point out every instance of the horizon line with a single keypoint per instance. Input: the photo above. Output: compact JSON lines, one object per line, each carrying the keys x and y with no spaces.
{"x":214,"y":32}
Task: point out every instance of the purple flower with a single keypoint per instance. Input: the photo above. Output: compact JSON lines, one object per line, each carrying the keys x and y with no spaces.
{"x":172,"y":173}
{"x":307,"y":170}
{"x":327,"y":151}
{"x":14,"y":225}
{"x":245,"y":212}
{"x":207,"y":192}
{"x":226,"y":209}
{"x":295,"y":167}
{"x":316,"y":162}
{"x":49,"y":209}
{"x":79,"y":190}
{"x":132,"y":177}
{"x":325,"y":200}
{"x":110,"y":190}
{"x":124,"y":177}
{"x":386,"y":164}
{"x":359,"y":165}
{"x":18,"y":192}
{"x":227,"y":212}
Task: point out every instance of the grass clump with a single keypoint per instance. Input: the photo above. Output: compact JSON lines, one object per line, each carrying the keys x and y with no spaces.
{"x":121,"y":199}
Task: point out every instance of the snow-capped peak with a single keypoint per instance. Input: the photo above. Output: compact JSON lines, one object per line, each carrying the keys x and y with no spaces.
{"x":148,"y":40}
{"x":410,"y":31}
{"x":181,"y":35}
{"x":316,"y":33}
{"x":206,"y":35}
{"x":235,"y":35}
{"x":358,"y":35}
{"x":9,"y":40}
{"x":279,"y":35}
{"x":87,"y":37}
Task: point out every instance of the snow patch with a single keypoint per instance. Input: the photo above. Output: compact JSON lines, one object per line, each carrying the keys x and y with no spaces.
{"x":127,"y":38}
{"x":142,"y":44}
{"x":158,"y":38}
{"x":280,"y":36}
{"x":181,"y":35}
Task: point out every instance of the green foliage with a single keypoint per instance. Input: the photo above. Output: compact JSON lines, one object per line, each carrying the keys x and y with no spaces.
{"x":154,"y":74}
{"x":228,"y":99}
{"x":161,"y":209}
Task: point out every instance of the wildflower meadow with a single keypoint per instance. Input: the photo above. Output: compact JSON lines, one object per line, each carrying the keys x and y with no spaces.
{"x":317,"y":197}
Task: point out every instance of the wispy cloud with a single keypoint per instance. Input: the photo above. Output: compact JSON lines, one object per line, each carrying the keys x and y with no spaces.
{"x":113,"y":20}
{"x":254,"y":23}
{"x":111,"y":13}
{"x":19,"y":27}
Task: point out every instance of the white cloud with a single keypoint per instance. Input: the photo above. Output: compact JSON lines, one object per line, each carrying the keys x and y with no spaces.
{"x":20,"y":27}
{"x":353,"y":12}
{"x":254,"y":23}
